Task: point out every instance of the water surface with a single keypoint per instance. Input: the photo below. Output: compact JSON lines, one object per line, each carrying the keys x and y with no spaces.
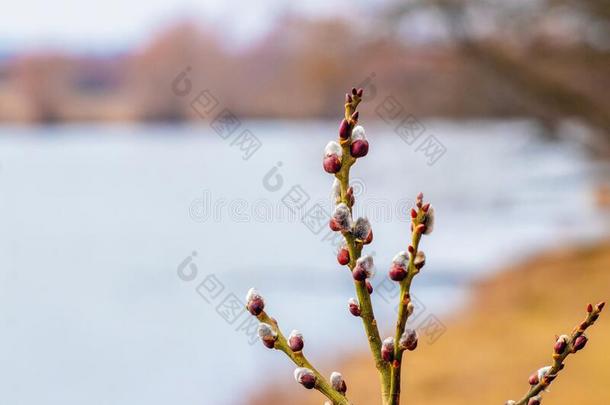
{"x":96,"y":221}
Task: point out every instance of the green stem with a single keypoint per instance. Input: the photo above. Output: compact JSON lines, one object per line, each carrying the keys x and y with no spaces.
{"x":403,"y":314}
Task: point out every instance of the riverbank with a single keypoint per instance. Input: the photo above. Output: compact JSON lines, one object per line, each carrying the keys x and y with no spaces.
{"x":492,"y":346}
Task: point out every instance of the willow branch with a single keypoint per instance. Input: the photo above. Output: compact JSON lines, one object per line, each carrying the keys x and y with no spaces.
{"x":354,"y":247}
{"x":564,"y":346}
{"x":418,"y":227}
{"x":298,"y":358}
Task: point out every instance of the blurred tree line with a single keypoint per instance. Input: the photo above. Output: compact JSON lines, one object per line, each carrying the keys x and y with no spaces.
{"x":547,"y":59}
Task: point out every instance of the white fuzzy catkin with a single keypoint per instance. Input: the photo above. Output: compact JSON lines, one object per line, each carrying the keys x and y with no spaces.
{"x":362,"y":228}
{"x":366,"y":263}
{"x":407,"y":339}
{"x":300,"y":372}
{"x":253,"y":294}
{"x":343,"y":216}
{"x":295,"y":333}
{"x":265,"y":330}
{"x":358,"y":133}
{"x":542,"y":372}
{"x":401,"y":259}
{"x":336,"y":380}
{"x":388,"y":343}
{"x":333,"y":148}
{"x":410,"y":308}
{"x":420,"y":259}
{"x":336,"y":191}
{"x":353,"y":301}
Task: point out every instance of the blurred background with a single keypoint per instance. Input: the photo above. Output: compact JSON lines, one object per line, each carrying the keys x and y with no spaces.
{"x":159,"y":158}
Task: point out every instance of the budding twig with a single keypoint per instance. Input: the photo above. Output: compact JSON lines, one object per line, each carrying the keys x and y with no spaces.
{"x":306,"y":374}
{"x":564,"y":346}
{"x":422,"y":221}
{"x":354,"y":147}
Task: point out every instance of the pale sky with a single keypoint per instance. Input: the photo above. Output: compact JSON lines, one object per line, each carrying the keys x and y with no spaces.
{"x":101,"y":25}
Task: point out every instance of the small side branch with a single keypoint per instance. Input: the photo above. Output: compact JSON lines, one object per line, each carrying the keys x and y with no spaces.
{"x":319,"y":382}
{"x":564,"y":346}
{"x":421,"y":222}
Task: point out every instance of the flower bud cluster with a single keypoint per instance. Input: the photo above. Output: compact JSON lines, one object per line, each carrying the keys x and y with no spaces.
{"x":423,"y":220}
{"x":350,"y":133}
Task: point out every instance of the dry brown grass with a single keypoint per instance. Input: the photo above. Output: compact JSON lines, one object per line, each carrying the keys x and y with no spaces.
{"x":491,"y":347}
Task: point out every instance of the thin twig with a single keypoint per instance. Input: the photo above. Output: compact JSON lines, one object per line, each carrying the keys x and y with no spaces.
{"x":560,"y":354}
{"x":355,"y":249}
{"x":300,"y":360}
{"x":405,"y":299}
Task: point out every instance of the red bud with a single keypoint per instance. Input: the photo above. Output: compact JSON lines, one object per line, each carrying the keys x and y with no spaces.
{"x":359,"y":148}
{"x":397,"y":273}
{"x":295,"y":341}
{"x":354,"y":91}
{"x":387,"y":350}
{"x":580,"y":342}
{"x":560,"y":346}
{"x":360,"y":92}
{"x":369,"y":287}
{"x":413,"y":213}
{"x":345,"y":129}
{"x":256,"y":306}
{"x":269,"y":342}
{"x":350,"y":196}
{"x":334,"y":225}
{"x":354,"y":308}
{"x":533,"y":380}
{"x":589,"y":308}
{"x":308,"y":381}
{"x":343,"y":256}
{"x":332,"y":164}
{"x":359,"y":273}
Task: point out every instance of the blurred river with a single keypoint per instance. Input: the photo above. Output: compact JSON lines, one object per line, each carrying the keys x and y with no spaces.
{"x":123,"y":248}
